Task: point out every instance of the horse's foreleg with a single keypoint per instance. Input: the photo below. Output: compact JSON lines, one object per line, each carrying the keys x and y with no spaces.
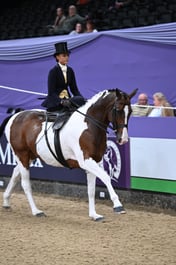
{"x":10,"y":187}
{"x":91,"y":182}
{"x":26,"y":185}
{"x":94,"y":168}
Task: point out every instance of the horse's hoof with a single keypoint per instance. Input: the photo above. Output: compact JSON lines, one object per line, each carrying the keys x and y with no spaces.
{"x":119,"y":210}
{"x":6,"y":207}
{"x":41,"y":214}
{"x":99,"y":219}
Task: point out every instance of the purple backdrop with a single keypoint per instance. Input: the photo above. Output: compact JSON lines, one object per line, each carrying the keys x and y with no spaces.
{"x":105,"y":62}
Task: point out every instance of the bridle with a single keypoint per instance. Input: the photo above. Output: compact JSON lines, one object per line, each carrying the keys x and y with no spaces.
{"x":115,"y":112}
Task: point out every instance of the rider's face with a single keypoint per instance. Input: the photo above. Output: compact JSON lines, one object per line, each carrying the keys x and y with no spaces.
{"x":62,"y":58}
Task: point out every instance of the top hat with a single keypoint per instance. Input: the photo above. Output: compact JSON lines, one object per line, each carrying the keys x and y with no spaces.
{"x":61,"y":47}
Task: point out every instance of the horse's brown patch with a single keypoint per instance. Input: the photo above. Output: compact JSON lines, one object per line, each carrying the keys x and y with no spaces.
{"x":24,"y":131}
{"x":73,"y":163}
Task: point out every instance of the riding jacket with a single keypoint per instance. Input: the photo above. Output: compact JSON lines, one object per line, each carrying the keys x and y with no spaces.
{"x":59,"y":88}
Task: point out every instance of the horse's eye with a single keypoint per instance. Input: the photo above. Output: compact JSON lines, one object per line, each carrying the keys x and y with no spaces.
{"x":120,"y":107}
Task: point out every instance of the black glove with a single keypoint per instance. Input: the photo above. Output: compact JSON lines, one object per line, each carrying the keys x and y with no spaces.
{"x":66,"y":103}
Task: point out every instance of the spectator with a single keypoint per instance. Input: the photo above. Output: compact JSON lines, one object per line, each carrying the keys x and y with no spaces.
{"x":160,"y":106}
{"x":116,"y":5}
{"x":62,"y":86}
{"x":141,"y":108}
{"x":78,"y":29}
{"x":70,"y":21}
{"x":58,"y":22}
{"x":90,"y":27}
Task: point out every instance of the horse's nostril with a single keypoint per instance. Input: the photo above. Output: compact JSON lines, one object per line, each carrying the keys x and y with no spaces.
{"x":119,"y":139}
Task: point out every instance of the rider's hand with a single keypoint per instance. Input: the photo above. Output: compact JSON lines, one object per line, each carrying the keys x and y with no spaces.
{"x":66,"y":103}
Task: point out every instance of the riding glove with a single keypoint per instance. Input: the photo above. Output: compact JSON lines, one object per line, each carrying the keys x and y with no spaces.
{"x":66,"y":103}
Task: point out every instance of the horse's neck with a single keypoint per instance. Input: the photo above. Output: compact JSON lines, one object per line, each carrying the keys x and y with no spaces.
{"x":100,"y":111}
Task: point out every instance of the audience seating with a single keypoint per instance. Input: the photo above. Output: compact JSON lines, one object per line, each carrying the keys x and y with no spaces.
{"x":30,"y":18}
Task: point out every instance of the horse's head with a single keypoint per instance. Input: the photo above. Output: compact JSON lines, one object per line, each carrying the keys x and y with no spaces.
{"x":120,"y":114}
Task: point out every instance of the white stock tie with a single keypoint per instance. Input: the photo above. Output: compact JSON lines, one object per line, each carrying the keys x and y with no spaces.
{"x":64,"y":70}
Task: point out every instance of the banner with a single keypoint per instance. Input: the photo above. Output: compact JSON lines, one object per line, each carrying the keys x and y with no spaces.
{"x":115,"y":162}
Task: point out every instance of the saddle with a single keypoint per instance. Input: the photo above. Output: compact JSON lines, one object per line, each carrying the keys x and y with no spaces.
{"x":59,"y":118}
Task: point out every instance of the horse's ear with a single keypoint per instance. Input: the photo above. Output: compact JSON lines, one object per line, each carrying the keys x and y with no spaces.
{"x":132,"y":94}
{"x":118,"y":91}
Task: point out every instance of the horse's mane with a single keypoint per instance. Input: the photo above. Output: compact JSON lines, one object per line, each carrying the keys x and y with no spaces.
{"x":97,"y":96}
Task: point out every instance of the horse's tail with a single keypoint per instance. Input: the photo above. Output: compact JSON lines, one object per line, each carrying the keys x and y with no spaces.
{"x":5,"y":121}
{"x":3,"y":125}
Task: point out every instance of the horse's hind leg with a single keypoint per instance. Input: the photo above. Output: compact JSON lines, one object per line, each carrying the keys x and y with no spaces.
{"x":10,"y":187}
{"x":26,"y":185}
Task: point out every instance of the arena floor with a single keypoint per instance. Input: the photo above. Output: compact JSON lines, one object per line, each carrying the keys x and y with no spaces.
{"x":143,"y":236}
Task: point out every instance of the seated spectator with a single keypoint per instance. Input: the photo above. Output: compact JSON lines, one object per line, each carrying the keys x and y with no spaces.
{"x":160,"y":106}
{"x":115,"y":5}
{"x":90,"y":27}
{"x":78,"y":29}
{"x":70,"y":21}
{"x":141,"y":108}
{"x":58,"y":22}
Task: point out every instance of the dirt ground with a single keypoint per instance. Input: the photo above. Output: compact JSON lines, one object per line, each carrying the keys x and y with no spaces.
{"x":142,"y":236}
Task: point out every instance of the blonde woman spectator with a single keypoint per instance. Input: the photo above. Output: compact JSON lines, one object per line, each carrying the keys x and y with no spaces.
{"x":160,"y":106}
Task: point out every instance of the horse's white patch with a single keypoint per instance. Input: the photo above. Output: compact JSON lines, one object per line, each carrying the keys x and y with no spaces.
{"x":126,"y":110}
{"x":124,"y":137}
{"x":94,"y":99}
{"x":42,"y":147}
{"x":69,"y":139}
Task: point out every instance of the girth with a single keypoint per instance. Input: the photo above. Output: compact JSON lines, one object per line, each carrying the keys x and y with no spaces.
{"x":57,"y":145}
{"x":59,"y":120}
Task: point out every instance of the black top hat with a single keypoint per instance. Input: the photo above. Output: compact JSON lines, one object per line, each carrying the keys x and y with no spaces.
{"x":61,"y":47}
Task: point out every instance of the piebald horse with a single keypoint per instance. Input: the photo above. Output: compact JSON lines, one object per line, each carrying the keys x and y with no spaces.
{"x":82,"y":142}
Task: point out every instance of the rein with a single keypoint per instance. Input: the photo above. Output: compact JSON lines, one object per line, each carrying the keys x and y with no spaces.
{"x":102,"y":125}
{"x":96,"y":122}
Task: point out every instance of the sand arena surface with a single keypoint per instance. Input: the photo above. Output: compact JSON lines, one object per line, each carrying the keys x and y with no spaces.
{"x":67,"y":236}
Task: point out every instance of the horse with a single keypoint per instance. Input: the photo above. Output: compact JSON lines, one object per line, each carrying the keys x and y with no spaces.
{"x":81,"y":142}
